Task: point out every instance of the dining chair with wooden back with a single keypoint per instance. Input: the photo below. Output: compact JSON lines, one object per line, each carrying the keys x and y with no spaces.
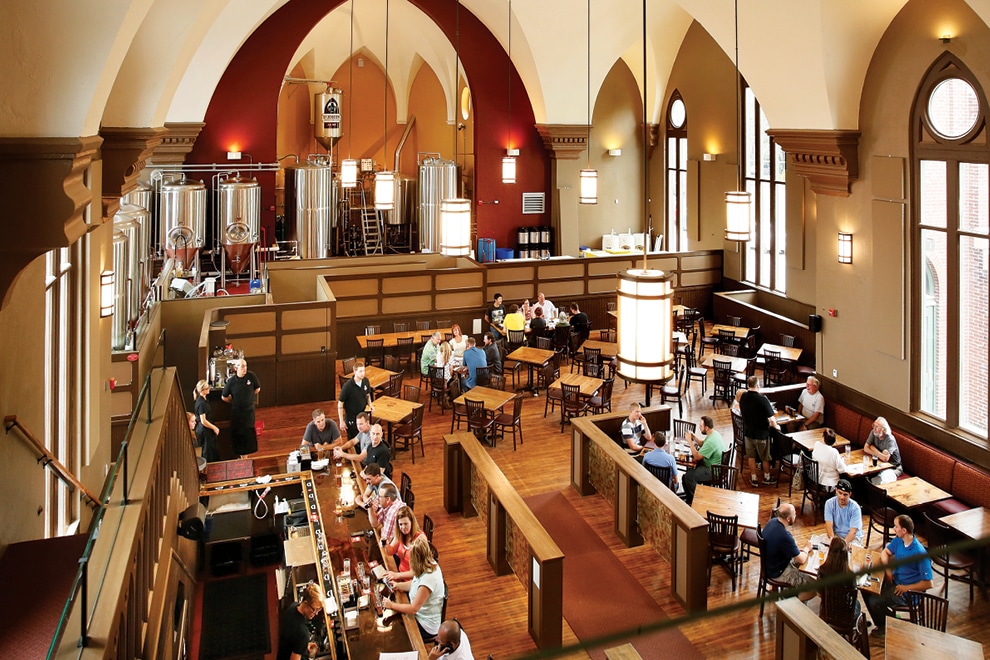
{"x":721,"y":382}
{"x":682,"y":426}
{"x":411,"y":393}
{"x":459,"y":409}
{"x":343,"y":378}
{"x":775,"y":370}
{"x":734,"y":321}
{"x":445,"y":323}
{"x":727,"y":338}
{"x":439,"y":390}
{"x":405,"y":348}
{"x":740,"y":380}
{"x":940,"y":536}
{"x":561,"y":340}
{"x":670,"y":393}
{"x":572,"y":404}
{"x":738,"y":433}
{"x":544,"y":343}
{"x":405,"y":485}
{"x":607,"y":335}
{"x":729,"y":456}
{"x":790,"y":459}
{"x":838,"y":610}
{"x":372,"y":330}
{"x":723,"y":545}
{"x":814,"y":492}
{"x":375,"y":352}
{"x":928,"y":610}
{"x":787,"y":340}
{"x":479,"y":421}
{"x":410,"y":433}
{"x":695,"y":372}
{"x":585,"y":357}
{"x":767,"y":583}
{"x":662,"y":473}
{"x":482,"y":376}
{"x":398,"y":326}
{"x":496,"y":382}
{"x":422,"y":325}
{"x":511,"y":420}
{"x":601,"y":401}
{"x":706,"y":339}
{"x":347,"y":364}
{"x":428,"y":527}
{"x":394,"y":387}
{"x":881,"y":514}
{"x":553,"y":395}
{"x":749,"y":538}
{"x":724,"y":476}
{"x":515,"y":339}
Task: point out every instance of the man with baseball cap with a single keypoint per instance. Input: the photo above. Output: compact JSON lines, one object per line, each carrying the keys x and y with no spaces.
{"x":843,"y":516}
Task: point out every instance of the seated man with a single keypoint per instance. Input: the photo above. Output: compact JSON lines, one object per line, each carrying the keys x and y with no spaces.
{"x":321,"y":432}
{"x":375,"y":452}
{"x":363,"y":437}
{"x":492,"y":354}
{"x":830,"y":462}
{"x":452,"y":642}
{"x":660,"y":458}
{"x":843,"y":516}
{"x":429,"y":357}
{"x":580,"y":323}
{"x":634,"y":429}
{"x":811,"y":405}
{"x":913,"y":576}
{"x":705,"y":451}
{"x":376,"y":479}
{"x":514,"y":320}
{"x":881,"y":443}
{"x":474,"y":357}
{"x":549,"y":309}
{"x":783,"y":556}
{"x":383,"y":515}
{"x":495,"y":315}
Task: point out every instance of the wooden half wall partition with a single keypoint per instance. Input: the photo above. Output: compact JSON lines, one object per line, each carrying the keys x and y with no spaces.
{"x":645,"y":509}
{"x":803,"y":635}
{"x":517,"y":542}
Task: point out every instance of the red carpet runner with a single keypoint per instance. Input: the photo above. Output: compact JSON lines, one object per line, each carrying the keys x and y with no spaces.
{"x":600,"y":595}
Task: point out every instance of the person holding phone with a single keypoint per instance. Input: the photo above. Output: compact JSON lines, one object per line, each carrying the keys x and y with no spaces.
{"x":452,"y":642}
{"x":427,"y":591}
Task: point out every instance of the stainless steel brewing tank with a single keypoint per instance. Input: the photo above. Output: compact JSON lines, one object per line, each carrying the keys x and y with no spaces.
{"x":239,"y":217}
{"x":140,"y":195}
{"x":127,"y":221}
{"x":121,"y":248}
{"x":437,"y":182}
{"x":140,"y":251}
{"x":308,"y":204}
{"x":326,"y":117}
{"x":183,"y":219}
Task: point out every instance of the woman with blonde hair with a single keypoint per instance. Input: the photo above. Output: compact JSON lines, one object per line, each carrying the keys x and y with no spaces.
{"x":445,"y":359}
{"x":426,"y":590}
{"x":206,"y":430}
{"x":406,"y":531}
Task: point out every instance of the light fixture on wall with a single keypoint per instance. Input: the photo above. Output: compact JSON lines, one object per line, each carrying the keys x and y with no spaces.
{"x":589,"y":177}
{"x":945,"y":38}
{"x":455,"y":212}
{"x":645,"y":297}
{"x":106,"y":293}
{"x":509,"y":161}
{"x":615,"y":153}
{"x":845,"y":247}
{"x":385,"y":180}
{"x":233,"y":155}
{"x":710,"y":158}
{"x":349,"y":166}
{"x":738,"y":201}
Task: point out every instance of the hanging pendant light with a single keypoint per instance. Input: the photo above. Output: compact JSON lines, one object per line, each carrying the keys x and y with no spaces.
{"x":589,"y":177}
{"x":349,"y":166}
{"x":509,"y":161}
{"x":455,"y":212}
{"x":385,"y":180}
{"x":738,"y":201}
{"x":644,"y":297}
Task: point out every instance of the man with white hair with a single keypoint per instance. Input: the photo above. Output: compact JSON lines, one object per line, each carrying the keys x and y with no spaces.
{"x":240,"y":392}
{"x":811,"y":405}
{"x":549,"y":309}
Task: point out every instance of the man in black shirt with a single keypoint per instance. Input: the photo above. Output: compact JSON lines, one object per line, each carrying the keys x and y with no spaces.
{"x":757,"y":414}
{"x":580,"y":323}
{"x":492,"y":354}
{"x":495,"y":315}
{"x":355,"y":395}
{"x":293,"y":629}
{"x":239,"y":392}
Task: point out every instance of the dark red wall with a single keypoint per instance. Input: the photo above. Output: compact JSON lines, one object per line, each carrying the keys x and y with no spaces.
{"x":244,"y":104}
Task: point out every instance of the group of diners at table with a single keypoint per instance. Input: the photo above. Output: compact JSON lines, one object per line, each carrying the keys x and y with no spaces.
{"x":828,"y":559}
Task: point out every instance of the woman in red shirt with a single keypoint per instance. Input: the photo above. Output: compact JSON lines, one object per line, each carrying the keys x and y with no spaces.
{"x":406,"y":531}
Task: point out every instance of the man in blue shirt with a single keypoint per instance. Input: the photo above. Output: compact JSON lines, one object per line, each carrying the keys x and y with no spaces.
{"x":783,"y":556}
{"x":474,"y":357}
{"x":913,"y":576}
{"x":660,"y":458}
{"x":843,"y":516}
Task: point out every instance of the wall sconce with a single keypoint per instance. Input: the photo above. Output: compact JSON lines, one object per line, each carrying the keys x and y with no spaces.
{"x":233,"y":155}
{"x":106,"y":293}
{"x":845,"y":248}
{"x":509,"y":166}
{"x":710,"y":158}
{"x":615,"y":153}
{"x":945,"y":38}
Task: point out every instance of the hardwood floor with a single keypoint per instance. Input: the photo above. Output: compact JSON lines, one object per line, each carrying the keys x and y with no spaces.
{"x":493,"y":609}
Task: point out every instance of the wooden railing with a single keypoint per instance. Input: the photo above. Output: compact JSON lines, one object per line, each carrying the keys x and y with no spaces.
{"x":474,"y":485}
{"x":47,"y":459}
{"x":644,"y":508}
{"x":803,"y":635}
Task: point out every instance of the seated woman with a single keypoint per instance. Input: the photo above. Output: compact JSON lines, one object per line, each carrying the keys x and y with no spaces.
{"x":426,"y":590}
{"x":458,"y":342}
{"x":406,"y":531}
{"x":537,"y":327}
{"x":445,"y":359}
{"x":837,"y":564}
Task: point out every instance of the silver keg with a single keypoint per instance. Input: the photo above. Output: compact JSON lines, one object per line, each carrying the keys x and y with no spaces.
{"x":308,"y":199}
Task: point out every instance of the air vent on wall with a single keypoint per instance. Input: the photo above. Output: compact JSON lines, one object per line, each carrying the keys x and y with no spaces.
{"x":533,"y":203}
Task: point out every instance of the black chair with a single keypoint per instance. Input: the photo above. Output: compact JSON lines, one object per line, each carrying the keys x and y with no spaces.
{"x":738,"y":433}
{"x":347,"y":365}
{"x":939,"y":536}
{"x":586,"y":357}
{"x":675,"y":393}
{"x":479,"y":421}
{"x":723,"y":545}
{"x":838,"y":610}
{"x":422,"y":325}
{"x":375,"y":352}
{"x":790,"y":459}
{"x":767,"y":583}
{"x":572,"y":404}
{"x":372,"y":330}
{"x":724,"y":476}
{"x":562,"y":339}
{"x":511,"y":420}
{"x":459,"y":410}
{"x":750,"y":540}
{"x":681,"y":428}
{"x":928,"y":610}
{"x":439,"y":390}
{"x":554,"y":396}
{"x":482,"y":376}
{"x":409,"y":499}
{"x":411,"y":393}
{"x":544,"y":343}
{"x":404,"y":347}
{"x":515,"y":339}
{"x":775,"y":370}
{"x":428,"y":527}
{"x":722,"y":382}
{"x":601,"y":402}
{"x":787,"y":340}
{"x":662,"y":473}
{"x":405,"y":485}
{"x":706,"y":340}
{"x":496,"y":382}
{"x":394,"y":387}
{"x":727,"y":339}
{"x":814,"y":492}
{"x":400,"y":327}
{"x":729,"y":457}
{"x":734,"y":321}
{"x":881,"y":515}
{"x":695,"y":374}
{"x":410,"y":433}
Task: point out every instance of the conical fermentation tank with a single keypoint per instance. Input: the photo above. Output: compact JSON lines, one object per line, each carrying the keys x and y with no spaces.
{"x":326,"y":117}
{"x":183,"y":219}
{"x":437,"y":182}
{"x":309,"y":200}
{"x":121,"y":257}
{"x":239,"y":214}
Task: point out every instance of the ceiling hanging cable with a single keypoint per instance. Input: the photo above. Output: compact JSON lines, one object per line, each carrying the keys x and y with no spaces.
{"x":385,"y":180}
{"x":737,"y":202}
{"x":589,"y":177}
{"x":509,"y":161}
{"x":455,"y":211}
{"x":349,"y":166}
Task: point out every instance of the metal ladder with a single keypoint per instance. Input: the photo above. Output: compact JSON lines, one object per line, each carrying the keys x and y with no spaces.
{"x":371,"y":228}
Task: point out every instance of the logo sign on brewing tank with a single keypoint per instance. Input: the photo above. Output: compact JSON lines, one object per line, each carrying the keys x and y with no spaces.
{"x":331,"y":114}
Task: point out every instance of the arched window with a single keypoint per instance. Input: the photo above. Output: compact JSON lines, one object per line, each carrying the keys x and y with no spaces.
{"x":676,"y":170}
{"x":951,"y":170}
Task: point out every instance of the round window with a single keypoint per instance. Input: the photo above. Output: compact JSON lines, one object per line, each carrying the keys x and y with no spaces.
{"x":677,"y":113}
{"x":953,"y":108}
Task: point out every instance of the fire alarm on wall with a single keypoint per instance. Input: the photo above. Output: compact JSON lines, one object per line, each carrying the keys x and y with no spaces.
{"x":833,"y":313}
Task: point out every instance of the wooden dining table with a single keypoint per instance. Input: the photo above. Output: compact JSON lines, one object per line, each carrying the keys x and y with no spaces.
{"x":376,"y":376}
{"x":588,"y":384}
{"x":608,"y":348}
{"x":909,"y":641}
{"x":739,"y":331}
{"x":394,"y":411}
{"x":856,"y":467}
{"x":807,"y":439}
{"x":857,"y":560}
{"x":724,"y":502}
{"x":787,"y":353}
{"x":494,"y":400}
{"x":531,"y":357}
{"x":973,"y":523}
{"x":914,"y":492}
{"x":738,"y":363}
{"x":392,"y":338}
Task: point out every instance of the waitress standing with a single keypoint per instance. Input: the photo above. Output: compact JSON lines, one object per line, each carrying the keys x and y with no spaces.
{"x":206,"y":430}
{"x":239,"y":392}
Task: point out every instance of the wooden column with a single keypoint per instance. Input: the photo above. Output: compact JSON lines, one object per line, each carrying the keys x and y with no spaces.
{"x":497,"y":525}
{"x":580,"y":448}
{"x":627,"y":509}
{"x":546,"y":610}
{"x":564,"y":142}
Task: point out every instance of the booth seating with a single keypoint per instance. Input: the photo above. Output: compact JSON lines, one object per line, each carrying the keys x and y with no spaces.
{"x":969,"y":485}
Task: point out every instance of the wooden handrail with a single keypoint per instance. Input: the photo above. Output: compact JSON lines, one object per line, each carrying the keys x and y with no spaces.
{"x":48,"y":460}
